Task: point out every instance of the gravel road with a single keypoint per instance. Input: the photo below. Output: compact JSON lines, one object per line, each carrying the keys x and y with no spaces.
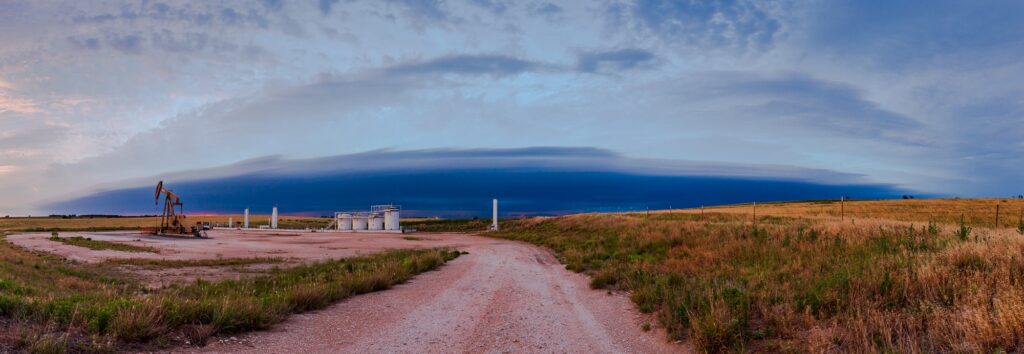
{"x":502,"y":297}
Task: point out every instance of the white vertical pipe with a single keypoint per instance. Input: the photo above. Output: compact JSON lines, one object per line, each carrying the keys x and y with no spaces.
{"x":494,"y":215}
{"x":231,"y":222}
{"x":246,"y":220}
{"x":273,"y":218}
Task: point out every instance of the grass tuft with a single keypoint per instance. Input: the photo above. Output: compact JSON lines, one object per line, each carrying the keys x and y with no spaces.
{"x":101,"y":245}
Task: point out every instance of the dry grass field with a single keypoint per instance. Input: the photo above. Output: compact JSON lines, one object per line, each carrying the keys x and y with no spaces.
{"x":977,"y":212}
{"x":883,"y":280}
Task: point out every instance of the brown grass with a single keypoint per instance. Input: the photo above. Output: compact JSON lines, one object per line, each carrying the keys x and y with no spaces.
{"x":805,"y":284}
{"x":979,"y":212}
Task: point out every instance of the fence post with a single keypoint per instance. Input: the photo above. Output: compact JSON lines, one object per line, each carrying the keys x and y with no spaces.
{"x":755,"y":213}
{"x":997,"y":215}
{"x":842,"y":209}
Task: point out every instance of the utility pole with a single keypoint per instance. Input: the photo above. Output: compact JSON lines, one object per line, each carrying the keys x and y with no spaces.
{"x":842,"y":209}
{"x":702,"y":212}
{"x":755,"y":213}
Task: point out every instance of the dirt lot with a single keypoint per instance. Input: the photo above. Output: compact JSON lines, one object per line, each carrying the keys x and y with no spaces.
{"x":502,"y":296}
{"x":301,"y":245}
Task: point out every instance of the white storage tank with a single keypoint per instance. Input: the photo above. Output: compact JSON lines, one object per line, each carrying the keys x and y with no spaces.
{"x":359,"y":223}
{"x":391,"y":219}
{"x":345,"y":222}
{"x":376,"y":222}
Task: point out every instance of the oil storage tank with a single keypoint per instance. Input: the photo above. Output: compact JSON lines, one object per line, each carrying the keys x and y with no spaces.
{"x":345,"y":222}
{"x":376,"y":222}
{"x":391,"y":219}
{"x":359,"y":222}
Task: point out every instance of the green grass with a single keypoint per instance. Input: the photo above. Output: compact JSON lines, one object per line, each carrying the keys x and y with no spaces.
{"x":177,"y":263}
{"x":413,"y":238}
{"x":87,"y":307}
{"x":101,"y":245}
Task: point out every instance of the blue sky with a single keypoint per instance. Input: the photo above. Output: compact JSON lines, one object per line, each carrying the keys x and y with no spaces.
{"x":919,"y":95}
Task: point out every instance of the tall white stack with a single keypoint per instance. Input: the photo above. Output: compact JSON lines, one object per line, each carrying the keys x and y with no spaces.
{"x":494,"y":216}
{"x":246,"y":219}
{"x":231,"y":222}
{"x":273,"y":218}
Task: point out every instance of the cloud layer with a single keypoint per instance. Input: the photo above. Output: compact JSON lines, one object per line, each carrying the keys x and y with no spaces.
{"x":919,"y":94}
{"x":529,"y":181}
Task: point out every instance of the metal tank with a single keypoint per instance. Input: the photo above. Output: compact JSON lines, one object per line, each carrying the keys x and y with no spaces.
{"x":359,"y":222}
{"x":345,"y":222}
{"x":391,"y":219}
{"x":376,"y":222}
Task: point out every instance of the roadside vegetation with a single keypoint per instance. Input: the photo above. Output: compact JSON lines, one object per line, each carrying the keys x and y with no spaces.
{"x":447,"y":225}
{"x":99,"y":245}
{"x":802,"y":284}
{"x":146,"y":263}
{"x":50,"y":305}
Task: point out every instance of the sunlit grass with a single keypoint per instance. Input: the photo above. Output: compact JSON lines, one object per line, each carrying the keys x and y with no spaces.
{"x":802,"y":284}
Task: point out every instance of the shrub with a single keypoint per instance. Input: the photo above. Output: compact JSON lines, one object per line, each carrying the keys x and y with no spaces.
{"x":964,"y":232}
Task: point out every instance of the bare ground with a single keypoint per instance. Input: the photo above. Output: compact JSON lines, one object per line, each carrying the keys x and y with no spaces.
{"x":503,"y":296}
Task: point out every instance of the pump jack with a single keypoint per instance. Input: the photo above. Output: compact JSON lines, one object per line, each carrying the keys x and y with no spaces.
{"x":172,"y":221}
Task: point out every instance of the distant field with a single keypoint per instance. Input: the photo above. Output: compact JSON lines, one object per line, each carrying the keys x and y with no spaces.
{"x":130,"y":223}
{"x":885,"y":279}
{"x":978,"y":212}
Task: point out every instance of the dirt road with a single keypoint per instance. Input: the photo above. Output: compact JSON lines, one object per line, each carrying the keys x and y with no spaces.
{"x":502,"y":297}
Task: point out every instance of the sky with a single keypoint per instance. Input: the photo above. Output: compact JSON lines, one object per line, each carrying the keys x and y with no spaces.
{"x":921,"y":96}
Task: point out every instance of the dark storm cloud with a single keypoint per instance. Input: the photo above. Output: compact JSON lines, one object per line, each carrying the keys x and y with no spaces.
{"x":452,"y":182}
